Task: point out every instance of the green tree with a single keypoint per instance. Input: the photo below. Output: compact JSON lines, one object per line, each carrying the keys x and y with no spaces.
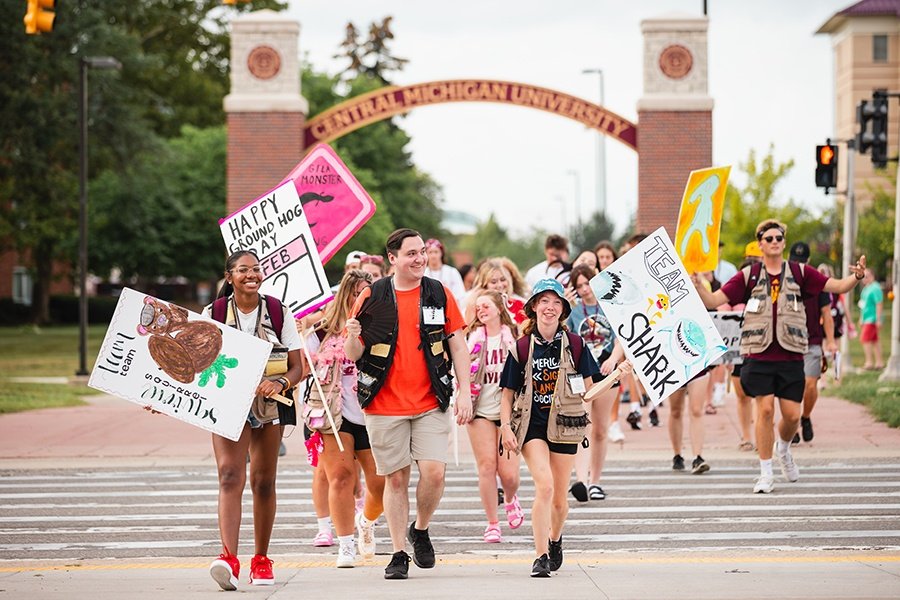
{"x":876,"y":231}
{"x":745,"y":207}
{"x":586,"y":235}
{"x":156,"y":217}
{"x":491,"y":239}
{"x":174,"y":55}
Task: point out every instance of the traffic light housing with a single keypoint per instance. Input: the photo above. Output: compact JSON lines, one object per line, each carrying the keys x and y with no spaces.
{"x":879,"y":128}
{"x":826,"y":166}
{"x":864,"y":113}
{"x":38,"y":17}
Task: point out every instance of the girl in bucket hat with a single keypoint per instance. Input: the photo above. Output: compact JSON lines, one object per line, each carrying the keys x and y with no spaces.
{"x":542,"y":412}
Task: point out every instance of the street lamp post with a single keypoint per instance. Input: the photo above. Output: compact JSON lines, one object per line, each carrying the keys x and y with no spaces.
{"x":577,"y":177}
{"x":562,"y":208}
{"x":601,"y":153}
{"x":85,"y":63}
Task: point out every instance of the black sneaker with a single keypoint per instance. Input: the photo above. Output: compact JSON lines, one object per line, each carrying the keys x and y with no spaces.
{"x":654,"y":418}
{"x":634,"y":419}
{"x":398,"y":567}
{"x":645,"y":400}
{"x":541,"y":566}
{"x":579,"y":490}
{"x":556,"y":555}
{"x":678,"y":463}
{"x":423,"y":551}
{"x":699,"y":466}
{"x":796,"y":439}
{"x":500,"y":501}
{"x":806,"y":426}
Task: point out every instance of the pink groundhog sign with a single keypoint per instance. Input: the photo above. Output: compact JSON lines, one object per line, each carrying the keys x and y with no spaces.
{"x":334,"y":202}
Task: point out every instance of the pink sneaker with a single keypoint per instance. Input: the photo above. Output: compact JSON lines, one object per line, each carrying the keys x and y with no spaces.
{"x":225,"y":570}
{"x":323,"y":539}
{"x":515,"y":516}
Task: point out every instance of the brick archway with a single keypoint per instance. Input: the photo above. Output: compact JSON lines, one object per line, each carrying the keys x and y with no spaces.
{"x":387,"y":102}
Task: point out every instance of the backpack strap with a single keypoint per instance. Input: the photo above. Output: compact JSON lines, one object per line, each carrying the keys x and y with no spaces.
{"x":751,"y":276}
{"x":276,"y":314}
{"x":797,"y":270}
{"x":576,"y":345}
{"x":220,"y":309}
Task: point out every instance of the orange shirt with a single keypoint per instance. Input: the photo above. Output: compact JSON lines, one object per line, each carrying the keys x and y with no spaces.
{"x":407,"y":389}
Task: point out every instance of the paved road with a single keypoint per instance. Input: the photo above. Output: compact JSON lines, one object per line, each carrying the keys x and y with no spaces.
{"x":171,"y":512}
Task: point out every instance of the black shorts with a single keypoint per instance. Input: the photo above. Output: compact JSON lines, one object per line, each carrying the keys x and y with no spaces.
{"x":736,"y":369}
{"x":784,"y":379}
{"x":359,"y":433}
{"x":494,"y":421}
{"x":540,"y":433}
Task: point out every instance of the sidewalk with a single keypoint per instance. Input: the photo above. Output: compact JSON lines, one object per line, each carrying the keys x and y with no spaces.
{"x":112,"y":432}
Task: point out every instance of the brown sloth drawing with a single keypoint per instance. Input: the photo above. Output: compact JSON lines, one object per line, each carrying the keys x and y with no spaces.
{"x":181,"y":348}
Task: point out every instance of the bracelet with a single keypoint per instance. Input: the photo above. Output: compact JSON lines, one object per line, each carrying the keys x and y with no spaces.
{"x":285,"y":383}
{"x":858,"y":278}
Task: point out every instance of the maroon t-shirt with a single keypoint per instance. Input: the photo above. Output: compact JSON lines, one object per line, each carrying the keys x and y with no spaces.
{"x":738,"y":293}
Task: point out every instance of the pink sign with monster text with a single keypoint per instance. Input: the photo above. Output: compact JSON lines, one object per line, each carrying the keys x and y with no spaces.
{"x":335,"y":204}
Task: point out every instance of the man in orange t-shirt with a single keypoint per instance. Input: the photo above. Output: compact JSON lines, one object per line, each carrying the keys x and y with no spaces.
{"x":404,"y":419}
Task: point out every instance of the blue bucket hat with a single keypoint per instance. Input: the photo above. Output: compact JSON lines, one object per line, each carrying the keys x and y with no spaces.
{"x":547,"y":285}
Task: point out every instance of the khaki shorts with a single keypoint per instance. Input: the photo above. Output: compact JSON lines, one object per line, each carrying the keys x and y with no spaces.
{"x":812,"y":362}
{"x":397,"y":441}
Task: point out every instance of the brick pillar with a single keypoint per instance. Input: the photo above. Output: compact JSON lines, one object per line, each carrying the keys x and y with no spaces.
{"x":266,"y":113}
{"x":674,"y":117}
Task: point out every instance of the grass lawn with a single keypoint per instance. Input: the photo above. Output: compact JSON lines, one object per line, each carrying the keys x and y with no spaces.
{"x":29,"y":351}
{"x":881,"y":398}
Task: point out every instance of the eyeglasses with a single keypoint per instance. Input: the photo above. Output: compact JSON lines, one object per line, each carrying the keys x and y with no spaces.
{"x":257,"y":270}
{"x":777,"y":238}
{"x":373,"y":259}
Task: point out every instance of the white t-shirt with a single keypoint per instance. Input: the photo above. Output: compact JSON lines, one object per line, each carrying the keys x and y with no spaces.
{"x":542,"y":270}
{"x":451,"y":279}
{"x":247,"y":323}
{"x":489,"y":397}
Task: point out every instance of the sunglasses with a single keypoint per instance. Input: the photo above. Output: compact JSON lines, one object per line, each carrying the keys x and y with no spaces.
{"x":375,"y":260}
{"x":776,"y":238}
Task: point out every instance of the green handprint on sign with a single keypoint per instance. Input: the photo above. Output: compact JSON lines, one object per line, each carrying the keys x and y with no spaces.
{"x":218,"y":369}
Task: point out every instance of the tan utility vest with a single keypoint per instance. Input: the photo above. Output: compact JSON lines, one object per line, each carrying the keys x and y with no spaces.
{"x":756,"y":334}
{"x":568,"y":420}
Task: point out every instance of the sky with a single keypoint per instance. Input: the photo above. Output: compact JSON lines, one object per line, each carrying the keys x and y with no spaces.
{"x":770,"y":76}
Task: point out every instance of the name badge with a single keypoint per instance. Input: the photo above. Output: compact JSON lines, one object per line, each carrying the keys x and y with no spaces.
{"x":753,"y":305}
{"x":576,"y":383}
{"x":433,"y":315}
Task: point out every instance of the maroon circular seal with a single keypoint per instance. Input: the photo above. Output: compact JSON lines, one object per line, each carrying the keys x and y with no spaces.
{"x":264,"y":62}
{"x":675,"y":61}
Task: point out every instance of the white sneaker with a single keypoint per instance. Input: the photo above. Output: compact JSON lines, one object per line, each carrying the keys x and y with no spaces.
{"x":614,"y":433}
{"x":346,"y":557}
{"x":366,"y":535}
{"x":764,"y":485}
{"x":788,"y":466}
{"x":718,"y":394}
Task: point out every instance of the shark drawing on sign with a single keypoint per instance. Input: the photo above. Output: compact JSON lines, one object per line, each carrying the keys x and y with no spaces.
{"x":703,"y":215}
{"x":688,"y":345}
{"x":615,"y":287}
{"x":657,"y":307}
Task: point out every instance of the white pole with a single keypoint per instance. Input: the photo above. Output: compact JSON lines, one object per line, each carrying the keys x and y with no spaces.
{"x":315,"y":378}
{"x":849,"y":242}
{"x":892,"y":369}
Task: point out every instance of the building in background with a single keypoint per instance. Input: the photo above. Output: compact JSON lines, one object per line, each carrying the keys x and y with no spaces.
{"x":866,"y":42}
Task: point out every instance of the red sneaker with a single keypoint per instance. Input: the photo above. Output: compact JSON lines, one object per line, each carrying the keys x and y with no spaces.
{"x":261,"y":570}
{"x":225,"y":570}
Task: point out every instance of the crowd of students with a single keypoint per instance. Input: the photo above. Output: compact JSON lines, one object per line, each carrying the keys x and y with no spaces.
{"x":530,"y":366}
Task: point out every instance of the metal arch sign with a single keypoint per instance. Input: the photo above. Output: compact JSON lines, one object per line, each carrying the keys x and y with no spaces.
{"x":387,"y":102}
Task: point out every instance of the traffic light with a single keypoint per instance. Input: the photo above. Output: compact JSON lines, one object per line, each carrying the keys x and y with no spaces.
{"x":826,"y":166}
{"x":864,"y":113}
{"x":38,"y":19}
{"x":879,"y":128}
